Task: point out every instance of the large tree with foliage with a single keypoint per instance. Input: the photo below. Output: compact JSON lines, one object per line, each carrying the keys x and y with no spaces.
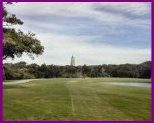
{"x":15,"y":43}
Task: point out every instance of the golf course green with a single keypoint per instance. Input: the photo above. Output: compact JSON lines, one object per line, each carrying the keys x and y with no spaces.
{"x":77,"y":99}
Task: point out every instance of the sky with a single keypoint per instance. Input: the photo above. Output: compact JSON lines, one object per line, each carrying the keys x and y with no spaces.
{"x":93,"y":32}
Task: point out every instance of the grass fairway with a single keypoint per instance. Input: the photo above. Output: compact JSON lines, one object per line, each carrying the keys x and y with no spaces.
{"x":76,"y":99}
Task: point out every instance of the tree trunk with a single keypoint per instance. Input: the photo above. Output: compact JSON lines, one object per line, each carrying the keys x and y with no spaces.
{"x":3,"y":74}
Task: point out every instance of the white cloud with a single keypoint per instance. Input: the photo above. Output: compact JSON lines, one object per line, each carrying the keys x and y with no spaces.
{"x":59,"y":48}
{"x":84,"y":9}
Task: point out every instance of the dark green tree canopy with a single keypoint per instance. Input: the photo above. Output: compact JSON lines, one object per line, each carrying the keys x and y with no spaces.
{"x":22,"y":70}
{"x":15,"y":43}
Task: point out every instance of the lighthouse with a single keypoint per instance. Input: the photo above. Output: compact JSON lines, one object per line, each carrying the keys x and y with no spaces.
{"x":72,"y":61}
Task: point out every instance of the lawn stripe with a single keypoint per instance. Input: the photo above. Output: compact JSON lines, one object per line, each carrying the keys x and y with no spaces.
{"x":72,"y":104}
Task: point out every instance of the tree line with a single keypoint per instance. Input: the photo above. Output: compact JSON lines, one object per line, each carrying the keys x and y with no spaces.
{"x":21,"y":70}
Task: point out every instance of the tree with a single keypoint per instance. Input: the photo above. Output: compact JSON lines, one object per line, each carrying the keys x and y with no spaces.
{"x":15,"y":43}
{"x":85,"y":70}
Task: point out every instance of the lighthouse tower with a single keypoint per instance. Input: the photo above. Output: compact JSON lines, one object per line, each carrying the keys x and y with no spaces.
{"x":72,"y":61}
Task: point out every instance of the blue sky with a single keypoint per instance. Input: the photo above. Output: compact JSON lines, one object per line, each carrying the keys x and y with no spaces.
{"x":95,"y":33}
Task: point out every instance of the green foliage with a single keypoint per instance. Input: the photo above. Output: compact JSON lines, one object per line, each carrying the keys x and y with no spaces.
{"x":17,"y":71}
{"x":10,"y":18}
{"x":142,"y":70}
{"x":15,"y":43}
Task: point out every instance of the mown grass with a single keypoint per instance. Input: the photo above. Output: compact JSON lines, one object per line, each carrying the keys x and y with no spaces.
{"x":76,"y":99}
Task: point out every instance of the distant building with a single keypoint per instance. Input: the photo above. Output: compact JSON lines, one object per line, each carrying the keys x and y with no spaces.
{"x":72,"y":61}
